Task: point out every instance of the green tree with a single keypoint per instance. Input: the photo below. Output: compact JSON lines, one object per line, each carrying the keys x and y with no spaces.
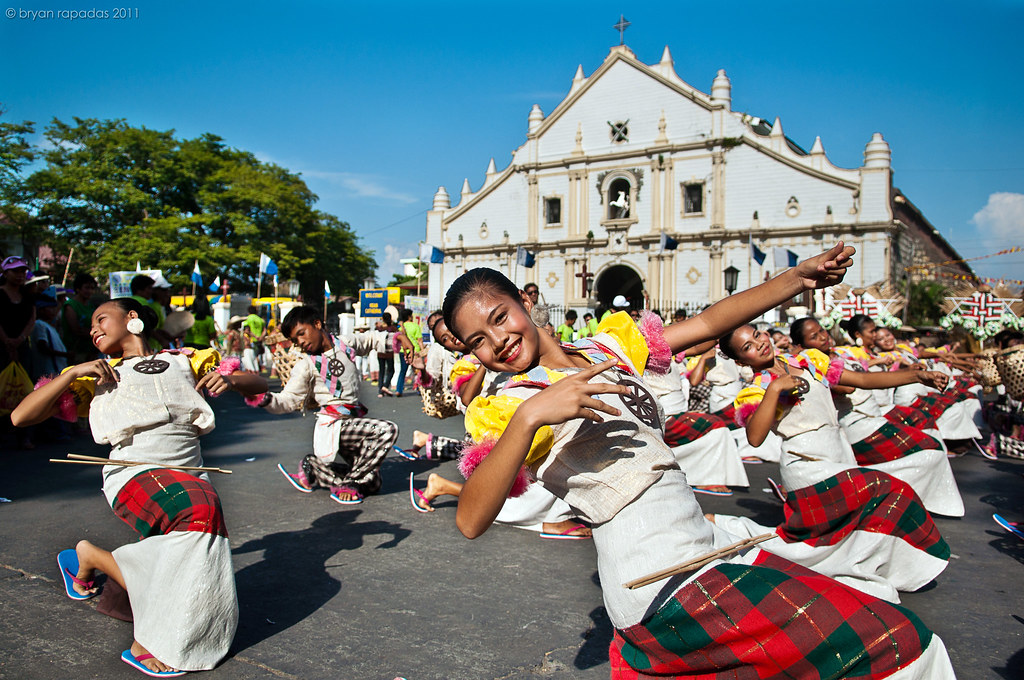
{"x":925,"y":303}
{"x":16,"y":223}
{"x":124,"y":195}
{"x":422,"y":271}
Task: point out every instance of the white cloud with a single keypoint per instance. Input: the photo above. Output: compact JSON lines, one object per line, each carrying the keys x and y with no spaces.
{"x":360,"y":186}
{"x":1002,"y":219}
{"x":390,"y":264}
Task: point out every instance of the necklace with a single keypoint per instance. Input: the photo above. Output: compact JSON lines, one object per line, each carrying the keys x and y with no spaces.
{"x":151,"y":366}
{"x":802,"y":386}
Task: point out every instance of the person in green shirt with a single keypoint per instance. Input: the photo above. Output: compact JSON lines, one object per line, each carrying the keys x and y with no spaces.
{"x":204,"y":330}
{"x":254,"y":330}
{"x":414,"y":333}
{"x":619,"y":303}
{"x":566,"y":330}
{"x":589,"y":328}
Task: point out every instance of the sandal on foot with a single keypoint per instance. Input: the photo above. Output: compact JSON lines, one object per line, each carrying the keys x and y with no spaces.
{"x":294,"y":480}
{"x":1012,"y":527}
{"x":985,"y":451}
{"x":417,"y":495}
{"x":136,"y":663}
{"x":335,"y":490}
{"x":711,"y":492}
{"x":751,"y":460}
{"x":67,"y":560}
{"x":777,"y":490}
{"x":567,"y":535}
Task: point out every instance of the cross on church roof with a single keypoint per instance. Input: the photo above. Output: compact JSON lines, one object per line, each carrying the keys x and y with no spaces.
{"x":621,"y":28}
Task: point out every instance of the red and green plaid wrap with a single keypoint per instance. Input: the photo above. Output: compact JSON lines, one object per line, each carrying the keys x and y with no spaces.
{"x":935,"y":403}
{"x":859,"y":499}
{"x":891,"y":441}
{"x":728,"y":414}
{"x":157,"y":502}
{"x":772,"y":620}
{"x":911,"y":416}
{"x":688,"y":427}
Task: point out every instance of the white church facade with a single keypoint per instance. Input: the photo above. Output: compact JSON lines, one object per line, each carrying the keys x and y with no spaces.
{"x":634,"y":153}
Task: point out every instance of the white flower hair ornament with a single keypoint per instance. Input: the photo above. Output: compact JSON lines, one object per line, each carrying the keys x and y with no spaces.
{"x":135,"y":326}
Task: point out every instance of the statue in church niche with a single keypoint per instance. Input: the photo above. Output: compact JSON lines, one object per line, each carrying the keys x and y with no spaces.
{"x":621,"y":206}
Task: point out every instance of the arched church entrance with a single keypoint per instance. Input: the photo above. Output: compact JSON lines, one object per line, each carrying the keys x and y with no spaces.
{"x":620,"y":280}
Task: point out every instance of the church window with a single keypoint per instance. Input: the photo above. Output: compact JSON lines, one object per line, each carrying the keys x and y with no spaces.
{"x":618,"y":199}
{"x":693,"y":198}
{"x":552,"y":211}
{"x":619,"y":131}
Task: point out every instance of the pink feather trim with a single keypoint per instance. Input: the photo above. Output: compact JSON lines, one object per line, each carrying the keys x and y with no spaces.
{"x":460,"y":381}
{"x":228,"y":365}
{"x":744,"y":412}
{"x":835,"y":371}
{"x":474,"y":453}
{"x":67,"y":409}
{"x":255,"y":400}
{"x":659,"y":359}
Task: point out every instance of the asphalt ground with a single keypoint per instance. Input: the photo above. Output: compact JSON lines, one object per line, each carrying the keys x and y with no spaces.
{"x":379,"y":591}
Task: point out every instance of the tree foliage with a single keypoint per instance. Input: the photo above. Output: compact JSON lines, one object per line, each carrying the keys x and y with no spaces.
{"x":124,"y":194}
{"x":925,"y":303}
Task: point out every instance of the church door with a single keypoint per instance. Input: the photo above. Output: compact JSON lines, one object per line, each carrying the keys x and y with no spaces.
{"x":620,"y":280}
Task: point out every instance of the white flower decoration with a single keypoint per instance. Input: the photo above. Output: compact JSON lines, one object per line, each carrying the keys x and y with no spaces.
{"x":135,"y":326}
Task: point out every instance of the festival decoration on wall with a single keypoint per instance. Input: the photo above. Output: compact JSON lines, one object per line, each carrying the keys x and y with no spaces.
{"x":982,"y":314}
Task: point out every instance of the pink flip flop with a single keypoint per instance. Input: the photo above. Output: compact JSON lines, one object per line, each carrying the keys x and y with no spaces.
{"x":414,"y":494}
{"x":349,"y":490}
{"x":567,"y":535}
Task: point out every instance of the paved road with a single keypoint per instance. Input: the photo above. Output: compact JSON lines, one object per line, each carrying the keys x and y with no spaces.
{"x":377,"y":590}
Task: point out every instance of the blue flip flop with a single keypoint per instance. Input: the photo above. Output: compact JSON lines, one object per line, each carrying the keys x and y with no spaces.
{"x":67,"y":561}
{"x":709,"y":492}
{"x":1012,"y":527}
{"x":405,"y":454}
{"x":293,"y":480}
{"x":135,"y":663}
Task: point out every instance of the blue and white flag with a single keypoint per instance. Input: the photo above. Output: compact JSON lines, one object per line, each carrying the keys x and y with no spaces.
{"x":758,"y":254}
{"x":267,"y":265}
{"x":197,"y":278}
{"x":784,"y":258}
{"x":327,"y":289}
{"x":429,"y":253}
{"x":524,"y":258}
{"x":667,"y":242}
{"x":215,"y":285}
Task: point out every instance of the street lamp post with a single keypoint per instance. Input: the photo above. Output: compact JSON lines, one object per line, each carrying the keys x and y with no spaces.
{"x":731,"y":277}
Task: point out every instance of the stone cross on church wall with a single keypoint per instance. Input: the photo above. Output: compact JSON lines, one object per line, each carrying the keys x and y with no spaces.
{"x":621,"y":28}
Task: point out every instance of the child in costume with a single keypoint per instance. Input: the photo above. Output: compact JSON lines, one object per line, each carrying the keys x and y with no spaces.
{"x":150,"y":408}
{"x":585,"y":424}
{"x":348,"y":448}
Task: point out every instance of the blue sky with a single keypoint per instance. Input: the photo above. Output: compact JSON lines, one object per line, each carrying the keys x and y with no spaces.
{"x":377,"y":104}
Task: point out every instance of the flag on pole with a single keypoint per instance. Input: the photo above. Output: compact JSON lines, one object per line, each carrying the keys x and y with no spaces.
{"x":667,"y":242}
{"x":275,"y":281}
{"x":524,"y":258}
{"x":215,"y":285}
{"x":327,"y":289}
{"x":758,"y":254}
{"x":138,"y":266}
{"x":784,"y":258}
{"x":429,"y":253}
{"x":267,"y":265}
{"x":197,"y":278}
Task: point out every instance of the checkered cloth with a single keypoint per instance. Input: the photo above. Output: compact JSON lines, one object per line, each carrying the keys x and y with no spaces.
{"x":699,"y":396}
{"x":362,"y":445}
{"x":157,"y":502}
{"x":935,"y":403}
{"x":860,"y":499}
{"x":772,"y":620}
{"x":912,"y":417}
{"x":729,"y":415}
{"x":891,"y":441}
{"x":688,"y":427}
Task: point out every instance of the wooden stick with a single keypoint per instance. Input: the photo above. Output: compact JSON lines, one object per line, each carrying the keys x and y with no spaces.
{"x":804,"y":456}
{"x":86,"y":460}
{"x":67,"y":267}
{"x":697,"y":562}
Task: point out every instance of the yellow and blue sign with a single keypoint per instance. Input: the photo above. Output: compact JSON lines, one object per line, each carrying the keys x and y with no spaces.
{"x":373,"y":301}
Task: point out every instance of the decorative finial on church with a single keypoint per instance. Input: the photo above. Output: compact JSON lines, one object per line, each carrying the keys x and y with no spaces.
{"x":662,"y":126}
{"x":578,"y":151}
{"x":490,"y":167}
{"x":621,"y":28}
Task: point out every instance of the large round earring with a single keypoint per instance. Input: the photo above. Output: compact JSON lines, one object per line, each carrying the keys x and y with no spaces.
{"x":135,"y":326}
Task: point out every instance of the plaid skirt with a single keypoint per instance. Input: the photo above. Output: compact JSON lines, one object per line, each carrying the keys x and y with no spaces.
{"x":157,"y":502}
{"x":891,"y":441}
{"x":729,"y":415}
{"x":934,"y":404}
{"x":773,"y":619}
{"x":688,"y":427}
{"x":906,"y":415}
{"x":860,"y":499}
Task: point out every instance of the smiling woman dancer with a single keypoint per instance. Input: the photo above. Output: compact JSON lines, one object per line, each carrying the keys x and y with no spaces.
{"x":582,"y":420}
{"x":150,"y":408}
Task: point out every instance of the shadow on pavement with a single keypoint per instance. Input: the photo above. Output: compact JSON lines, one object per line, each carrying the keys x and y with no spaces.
{"x":292,"y":581}
{"x":596,"y":639}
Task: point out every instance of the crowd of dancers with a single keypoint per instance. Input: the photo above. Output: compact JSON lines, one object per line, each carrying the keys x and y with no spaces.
{"x":610,"y":438}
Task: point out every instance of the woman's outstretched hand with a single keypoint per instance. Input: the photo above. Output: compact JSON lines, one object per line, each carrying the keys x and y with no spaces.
{"x":935,"y":379}
{"x":826,"y":269}
{"x":99,"y":369}
{"x":572,"y":397}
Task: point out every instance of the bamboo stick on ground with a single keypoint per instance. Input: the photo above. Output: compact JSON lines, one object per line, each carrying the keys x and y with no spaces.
{"x":697,"y":562}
